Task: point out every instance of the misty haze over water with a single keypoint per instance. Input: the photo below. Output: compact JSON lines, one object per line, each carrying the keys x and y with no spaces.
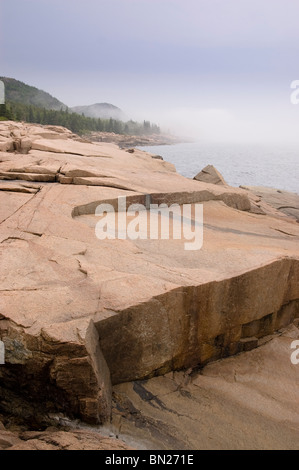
{"x":240,"y":164}
{"x":214,"y":69}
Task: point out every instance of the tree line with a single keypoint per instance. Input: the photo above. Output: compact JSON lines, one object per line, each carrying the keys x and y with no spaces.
{"x":77,"y":123}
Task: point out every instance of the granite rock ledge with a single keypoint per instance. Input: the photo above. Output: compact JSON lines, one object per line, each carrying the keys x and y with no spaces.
{"x":78,"y":315}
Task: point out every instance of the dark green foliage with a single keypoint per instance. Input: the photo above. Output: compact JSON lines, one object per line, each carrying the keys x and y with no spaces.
{"x":77,"y":123}
{"x":29,"y":104}
{"x":6,"y":113}
{"x":19,"y":92}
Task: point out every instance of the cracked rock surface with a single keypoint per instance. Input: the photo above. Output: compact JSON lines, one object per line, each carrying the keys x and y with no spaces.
{"x":284,"y":201}
{"x":79,"y":315}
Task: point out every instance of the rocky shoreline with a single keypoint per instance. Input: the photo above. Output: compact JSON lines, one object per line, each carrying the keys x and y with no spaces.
{"x":101,"y":330}
{"x":127,"y":141}
{"x":284,"y":201}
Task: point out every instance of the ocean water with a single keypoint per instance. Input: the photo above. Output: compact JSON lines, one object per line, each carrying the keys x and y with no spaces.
{"x":240,"y":164}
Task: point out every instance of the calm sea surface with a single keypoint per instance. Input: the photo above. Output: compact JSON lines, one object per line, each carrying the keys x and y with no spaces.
{"x":253,"y":165}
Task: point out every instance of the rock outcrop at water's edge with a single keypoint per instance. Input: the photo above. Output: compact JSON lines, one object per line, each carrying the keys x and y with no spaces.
{"x":284,"y":201}
{"x":209,"y":174}
{"x":79,"y":315}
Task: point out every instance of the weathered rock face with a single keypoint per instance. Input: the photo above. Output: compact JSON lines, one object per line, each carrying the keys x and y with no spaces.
{"x":78,"y":314}
{"x":209,"y":174}
{"x":54,"y":439}
{"x":284,"y":201}
{"x":248,"y":401}
{"x":197,"y":324}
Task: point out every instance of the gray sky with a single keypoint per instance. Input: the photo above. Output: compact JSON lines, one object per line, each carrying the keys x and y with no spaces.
{"x":216,"y":69}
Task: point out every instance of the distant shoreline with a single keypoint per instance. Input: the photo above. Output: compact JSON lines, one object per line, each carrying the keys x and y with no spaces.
{"x":127,"y":141}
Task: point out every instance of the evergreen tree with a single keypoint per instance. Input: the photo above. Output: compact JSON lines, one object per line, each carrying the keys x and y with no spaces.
{"x":2,"y":110}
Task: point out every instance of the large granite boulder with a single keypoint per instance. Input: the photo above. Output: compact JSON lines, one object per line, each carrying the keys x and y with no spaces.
{"x":209,"y":174}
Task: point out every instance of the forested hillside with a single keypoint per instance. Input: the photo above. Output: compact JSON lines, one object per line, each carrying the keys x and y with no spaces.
{"x":19,"y":92}
{"x":26,"y":103}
